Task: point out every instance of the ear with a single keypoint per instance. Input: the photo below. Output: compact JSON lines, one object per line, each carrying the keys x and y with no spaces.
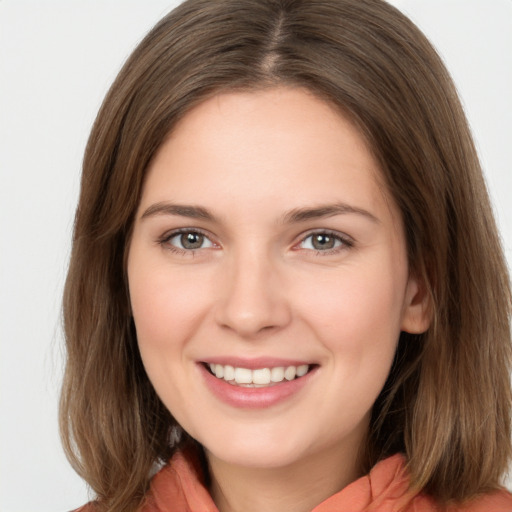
{"x":418,"y":308}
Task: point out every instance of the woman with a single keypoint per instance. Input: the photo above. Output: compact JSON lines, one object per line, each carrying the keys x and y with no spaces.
{"x":286,"y":279}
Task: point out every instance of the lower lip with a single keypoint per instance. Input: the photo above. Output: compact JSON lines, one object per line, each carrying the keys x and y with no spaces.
{"x":254,"y":398}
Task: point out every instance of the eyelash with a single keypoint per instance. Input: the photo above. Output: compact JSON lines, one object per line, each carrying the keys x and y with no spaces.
{"x":344,"y":241}
{"x":164,"y":241}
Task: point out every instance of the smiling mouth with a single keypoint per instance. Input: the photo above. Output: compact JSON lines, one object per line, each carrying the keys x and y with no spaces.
{"x":260,"y":377}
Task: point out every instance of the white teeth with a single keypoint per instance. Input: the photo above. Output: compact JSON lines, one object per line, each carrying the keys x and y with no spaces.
{"x":229,"y":373}
{"x":302,"y":370}
{"x":260,"y":376}
{"x":290,"y":372}
{"x":277,"y":374}
{"x":243,"y":376}
{"x":219,"y":371}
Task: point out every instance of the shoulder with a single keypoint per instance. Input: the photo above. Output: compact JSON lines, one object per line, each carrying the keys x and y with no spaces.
{"x":390,"y":491}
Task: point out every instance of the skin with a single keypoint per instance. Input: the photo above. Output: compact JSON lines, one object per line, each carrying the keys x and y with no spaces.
{"x":258,"y":286}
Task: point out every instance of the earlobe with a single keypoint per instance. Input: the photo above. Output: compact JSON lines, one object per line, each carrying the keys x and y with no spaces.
{"x":418,"y":310}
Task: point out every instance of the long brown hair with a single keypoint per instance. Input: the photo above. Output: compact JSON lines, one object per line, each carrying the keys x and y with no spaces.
{"x":446,"y":404}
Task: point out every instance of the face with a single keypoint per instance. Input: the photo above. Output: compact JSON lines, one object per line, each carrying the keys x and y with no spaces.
{"x":268,"y":278}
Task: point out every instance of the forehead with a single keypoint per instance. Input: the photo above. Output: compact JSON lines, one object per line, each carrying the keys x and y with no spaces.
{"x":281,"y":143}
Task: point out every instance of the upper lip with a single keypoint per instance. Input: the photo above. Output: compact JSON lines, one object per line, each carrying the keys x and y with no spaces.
{"x":254,"y":363}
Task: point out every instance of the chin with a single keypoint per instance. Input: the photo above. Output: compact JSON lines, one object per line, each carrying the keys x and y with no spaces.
{"x":252,"y":450}
{"x":264,"y":457}
{"x":257,"y":449}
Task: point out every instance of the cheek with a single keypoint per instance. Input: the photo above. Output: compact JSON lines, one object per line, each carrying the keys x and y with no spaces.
{"x":356,"y":311}
{"x":357,"y":320}
{"x":166,"y":306}
{"x":167,"y":310}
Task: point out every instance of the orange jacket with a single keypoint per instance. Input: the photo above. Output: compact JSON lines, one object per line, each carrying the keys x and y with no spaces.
{"x":177,"y":487}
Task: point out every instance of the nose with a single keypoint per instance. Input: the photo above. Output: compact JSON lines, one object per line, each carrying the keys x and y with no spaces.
{"x":253,"y":297}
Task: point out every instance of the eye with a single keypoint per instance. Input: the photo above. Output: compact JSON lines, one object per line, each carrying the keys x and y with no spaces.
{"x":325,"y":242}
{"x":187,"y":240}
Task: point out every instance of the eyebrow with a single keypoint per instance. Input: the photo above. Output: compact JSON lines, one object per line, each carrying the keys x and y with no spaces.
{"x":165,"y":208}
{"x":324,"y":211}
{"x":296,"y":215}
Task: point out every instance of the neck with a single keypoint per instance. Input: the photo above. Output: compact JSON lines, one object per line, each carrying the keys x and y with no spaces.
{"x":297,"y":487}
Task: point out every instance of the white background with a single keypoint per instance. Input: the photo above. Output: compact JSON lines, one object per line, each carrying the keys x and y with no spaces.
{"x":57,"y":59}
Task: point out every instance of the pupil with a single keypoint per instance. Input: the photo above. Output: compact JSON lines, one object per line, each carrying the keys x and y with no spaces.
{"x":323,"y":242}
{"x":192,"y":240}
